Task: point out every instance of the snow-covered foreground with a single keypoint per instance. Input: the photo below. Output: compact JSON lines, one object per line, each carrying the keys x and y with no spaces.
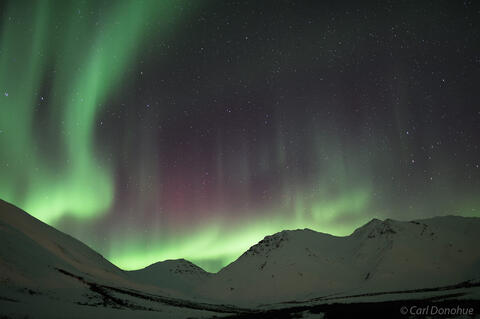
{"x":47,"y":274}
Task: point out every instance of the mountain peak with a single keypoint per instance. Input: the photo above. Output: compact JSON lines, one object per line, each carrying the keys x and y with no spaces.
{"x":277,"y":240}
{"x":376,"y":227}
{"x":176,"y":266}
{"x":268,"y":243}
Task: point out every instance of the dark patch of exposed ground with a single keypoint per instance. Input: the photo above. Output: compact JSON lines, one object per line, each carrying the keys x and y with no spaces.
{"x":108,"y":299}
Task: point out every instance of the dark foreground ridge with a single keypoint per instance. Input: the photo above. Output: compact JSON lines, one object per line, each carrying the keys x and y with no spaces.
{"x":111,"y":297}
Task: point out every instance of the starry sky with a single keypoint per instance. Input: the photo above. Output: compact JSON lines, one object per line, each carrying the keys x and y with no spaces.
{"x":155,"y":130}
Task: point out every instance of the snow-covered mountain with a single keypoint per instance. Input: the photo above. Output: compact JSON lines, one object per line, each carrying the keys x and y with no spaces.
{"x":178,"y":275}
{"x":45,"y":273}
{"x":31,"y":252}
{"x":379,"y":256}
{"x":418,"y":254}
{"x":49,"y":273}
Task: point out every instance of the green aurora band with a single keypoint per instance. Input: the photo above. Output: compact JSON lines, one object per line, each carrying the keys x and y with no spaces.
{"x":96,"y":63}
{"x":217,"y":244}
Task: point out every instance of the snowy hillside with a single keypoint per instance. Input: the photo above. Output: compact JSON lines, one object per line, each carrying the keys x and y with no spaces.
{"x":423,"y":253}
{"x":49,"y":273}
{"x":52,"y":275}
{"x":31,"y":251}
{"x":175,"y":275}
{"x":379,"y":256}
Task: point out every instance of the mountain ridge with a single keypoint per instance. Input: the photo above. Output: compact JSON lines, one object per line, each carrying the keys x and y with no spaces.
{"x":300,"y":264}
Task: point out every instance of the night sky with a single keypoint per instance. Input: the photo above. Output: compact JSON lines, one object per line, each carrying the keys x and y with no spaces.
{"x":154,"y":130}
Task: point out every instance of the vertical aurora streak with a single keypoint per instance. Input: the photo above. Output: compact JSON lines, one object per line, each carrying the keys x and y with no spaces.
{"x":96,"y":62}
{"x":160,"y":129}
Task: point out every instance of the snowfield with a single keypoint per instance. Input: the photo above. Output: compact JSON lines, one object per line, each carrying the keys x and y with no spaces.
{"x":45,"y":273}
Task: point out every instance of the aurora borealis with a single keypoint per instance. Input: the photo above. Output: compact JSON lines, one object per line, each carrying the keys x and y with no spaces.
{"x":155,"y":130}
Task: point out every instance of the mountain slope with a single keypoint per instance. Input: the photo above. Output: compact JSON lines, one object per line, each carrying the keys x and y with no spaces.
{"x":52,"y":275}
{"x":43,"y":269}
{"x":422,"y":253}
{"x":177,"y":275}
{"x":379,"y":256}
{"x":31,"y":251}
